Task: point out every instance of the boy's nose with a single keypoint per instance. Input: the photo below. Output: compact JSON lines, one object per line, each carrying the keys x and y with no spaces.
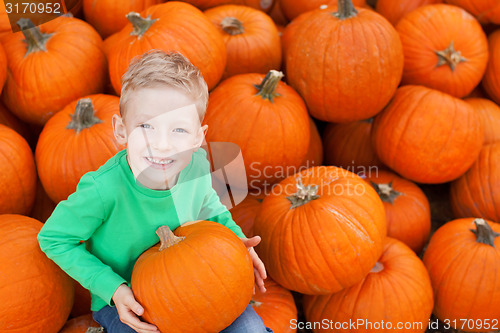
{"x":162,"y":142}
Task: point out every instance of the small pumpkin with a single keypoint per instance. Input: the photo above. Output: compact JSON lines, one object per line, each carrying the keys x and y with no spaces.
{"x":263,"y":5}
{"x":43,"y":206}
{"x":76,"y":140}
{"x":477,"y":192}
{"x":293,"y":8}
{"x":170,"y":26}
{"x":393,"y":11}
{"x":322,"y":230}
{"x":202,"y":261}
{"x":68,"y":56}
{"x":406,"y":207}
{"x":396,"y":290}
{"x":444,"y":48}
{"x":251,"y":38}
{"x":244,"y":214}
{"x":277,"y":14}
{"x":8,"y":119}
{"x":109,"y":16}
{"x":462,"y":261}
{"x":349,"y":146}
{"x":81,"y":305}
{"x":81,"y":324}
{"x":415,"y":137}
{"x":276,"y":307}
{"x":314,"y":156}
{"x":486,"y":11}
{"x":18,"y":181}
{"x":273,"y":112}
{"x":489,"y":113}
{"x":27,"y":276}
{"x":343,"y":71}
{"x":491,"y":79}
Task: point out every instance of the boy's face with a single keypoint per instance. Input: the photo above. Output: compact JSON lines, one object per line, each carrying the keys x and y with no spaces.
{"x":161,"y":129}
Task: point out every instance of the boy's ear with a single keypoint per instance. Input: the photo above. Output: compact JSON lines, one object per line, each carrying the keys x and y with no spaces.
{"x":200,"y":137}
{"x":119,"y":130}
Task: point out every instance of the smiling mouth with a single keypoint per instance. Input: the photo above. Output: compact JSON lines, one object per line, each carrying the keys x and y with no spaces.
{"x":159,"y":161}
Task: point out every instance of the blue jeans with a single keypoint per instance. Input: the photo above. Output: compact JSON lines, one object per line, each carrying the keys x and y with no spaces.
{"x":248,"y":322}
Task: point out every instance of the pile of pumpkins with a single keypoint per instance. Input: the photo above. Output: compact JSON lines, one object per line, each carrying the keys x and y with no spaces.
{"x":343,"y":111}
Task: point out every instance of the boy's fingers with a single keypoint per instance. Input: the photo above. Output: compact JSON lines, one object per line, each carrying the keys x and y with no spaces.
{"x":139,"y":325}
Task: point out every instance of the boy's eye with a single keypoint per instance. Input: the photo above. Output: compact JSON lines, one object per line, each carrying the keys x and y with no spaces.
{"x":145,"y":126}
{"x":180,"y":130}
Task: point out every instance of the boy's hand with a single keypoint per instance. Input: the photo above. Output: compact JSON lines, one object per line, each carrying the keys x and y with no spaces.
{"x":258,"y":265}
{"x":129,"y":310}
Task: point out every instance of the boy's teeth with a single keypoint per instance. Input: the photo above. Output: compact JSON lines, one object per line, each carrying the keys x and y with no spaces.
{"x":158,"y":161}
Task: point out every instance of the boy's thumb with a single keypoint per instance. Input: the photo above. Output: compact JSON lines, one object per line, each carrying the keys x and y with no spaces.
{"x":139,"y":310}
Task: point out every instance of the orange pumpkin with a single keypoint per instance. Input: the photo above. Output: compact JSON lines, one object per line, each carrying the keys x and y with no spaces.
{"x":489,"y":113}
{"x":486,"y":11}
{"x":18,"y":180}
{"x":109,"y":16}
{"x":406,"y":207}
{"x":80,"y":325}
{"x":244,"y":214}
{"x":251,"y":38}
{"x":322,"y":230}
{"x":314,"y":156}
{"x":171,"y":26}
{"x":81,"y":306}
{"x":343,"y":71}
{"x":393,"y":11}
{"x":415,"y":137}
{"x":202,"y":261}
{"x":277,"y":14}
{"x":293,"y":8}
{"x":43,"y":206}
{"x":5,"y":27}
{"x":349,"y":146}
{"x":264,"y":5}
{"x":397,"y":291}
{"x":10,"y":120}
{"x":288,"y":35}
{"x":276,"y":307}
{"x":27,"y":276}
{"x":62,"y":60}
{"x":444,"y":47}
{"x":491,"y":80}
{"x":75,"y":141}
{"x":477,"y":192}
{"x":462,"y":261}
{"x":273,"y":112}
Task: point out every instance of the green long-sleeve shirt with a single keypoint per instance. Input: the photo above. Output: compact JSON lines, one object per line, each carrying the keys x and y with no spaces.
{"x":117,"y":218}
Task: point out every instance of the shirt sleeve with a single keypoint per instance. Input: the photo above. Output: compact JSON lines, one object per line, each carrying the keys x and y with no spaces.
{"x":72,"y":221}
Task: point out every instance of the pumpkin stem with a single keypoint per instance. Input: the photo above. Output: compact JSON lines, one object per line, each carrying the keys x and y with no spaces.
{"x":83,"y":116}
{"x":450,"y":57}
{"x":377,"y":268}
{"x":346,"y":10}
{"x":484,"y":233}
{"x":167,"y":237}
{"x":267,"y":88}
{"x":386,"y":192}
{"x":94,"y":330}
{"x":255,"y":303}
{"x":35,"y":39}
{"x":304,"y":194}
{"x":232,"y":25}
{"x":140,"y":24}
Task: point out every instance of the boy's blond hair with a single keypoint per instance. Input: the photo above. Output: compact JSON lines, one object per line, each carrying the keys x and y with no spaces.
{"x":157,"y":68}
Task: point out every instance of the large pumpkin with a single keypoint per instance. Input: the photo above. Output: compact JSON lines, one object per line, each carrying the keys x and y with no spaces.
{"x":444,"y":47}
{"x":75,"y":141}
{"x":109,"y":16}
{"x":395,"y":296}
{"x":489,"y":113}
{"x":477,"y":192}
{"x":252,"y":111}
{"x":393,"y":11}
{"x":341,"y":68}
{"x":276,"y":307}
{"x":251,"y":37}
{"x":491,"y":80}
{"x":36,"y":294}
{"x":198,"y":280}
{"x":171,"y":26}
{"x":18,"y":175}
{"x":427,"y":136}
{"x":322,"y":230}
{"x":52,"y":65}
{"x":462,"y":261}
{"x":406,"y":207}
{"x":486,"y":11}
{"x":349,"y":146}
{"x":293,"y":8}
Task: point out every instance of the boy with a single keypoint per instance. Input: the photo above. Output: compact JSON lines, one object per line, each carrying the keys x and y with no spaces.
{"x":161,"y":178}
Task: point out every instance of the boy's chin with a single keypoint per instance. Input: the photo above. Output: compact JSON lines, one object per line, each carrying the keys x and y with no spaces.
{"x":154,"y":179}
